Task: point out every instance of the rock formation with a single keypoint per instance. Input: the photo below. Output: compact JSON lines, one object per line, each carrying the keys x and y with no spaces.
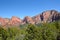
{"x":46,"y":16}
{"x":28,"y":19}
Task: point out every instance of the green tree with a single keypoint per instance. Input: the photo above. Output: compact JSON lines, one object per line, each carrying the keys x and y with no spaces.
{"x":49,"y":32}
{"x":57,"y":24}
{"x":14,"y":33}
{"x":33,"y":33}
{"x":3,"y":33}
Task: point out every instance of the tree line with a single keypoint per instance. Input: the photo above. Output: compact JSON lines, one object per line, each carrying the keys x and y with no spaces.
{"x":44,"y":31}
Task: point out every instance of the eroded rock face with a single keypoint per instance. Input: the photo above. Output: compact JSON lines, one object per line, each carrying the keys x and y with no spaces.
{"x":15,"y":21}
{"x":2,"y":21}
{"x":50,"y":16}
{"x":37,"y":19}
{"x":28,"y":19}
{"x":46,"y":16}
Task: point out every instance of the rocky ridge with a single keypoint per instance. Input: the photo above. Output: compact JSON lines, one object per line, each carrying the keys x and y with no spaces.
{"x":46,"y":16}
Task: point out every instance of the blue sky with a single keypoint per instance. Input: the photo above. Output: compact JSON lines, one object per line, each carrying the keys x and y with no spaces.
{"x":22,"y":8}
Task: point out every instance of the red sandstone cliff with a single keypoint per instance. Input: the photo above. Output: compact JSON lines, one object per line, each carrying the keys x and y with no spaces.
{"x":46,"y":16}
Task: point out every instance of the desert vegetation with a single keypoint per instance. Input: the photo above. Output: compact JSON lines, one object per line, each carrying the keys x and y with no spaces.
{"x":45,"y":31}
